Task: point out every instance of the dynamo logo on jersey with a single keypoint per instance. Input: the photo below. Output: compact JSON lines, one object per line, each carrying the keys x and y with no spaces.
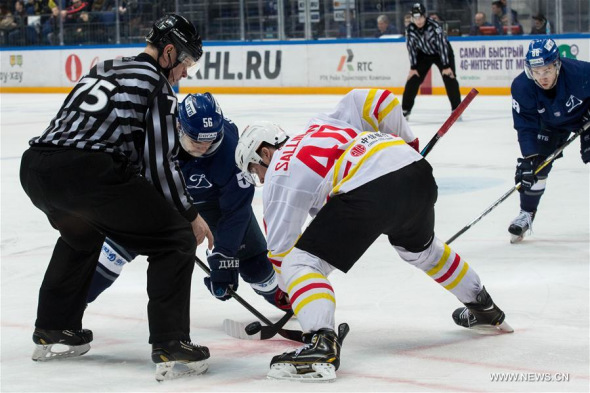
{"x":572,"y":102}
{"x":242,"y":181}
{"x":200,"y":181}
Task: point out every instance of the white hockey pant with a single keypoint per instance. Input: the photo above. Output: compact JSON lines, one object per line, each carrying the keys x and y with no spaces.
{"x":311,"y":294}
{"x":447,"y":268}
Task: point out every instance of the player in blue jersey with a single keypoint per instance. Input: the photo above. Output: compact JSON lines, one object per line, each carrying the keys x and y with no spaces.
{"x":550,"y":99}
{"x":224,"y":199}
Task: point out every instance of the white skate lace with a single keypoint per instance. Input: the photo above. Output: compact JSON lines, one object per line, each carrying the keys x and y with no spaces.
{"x":301,"y":349}
{"x":468,"y":316}
{"x":190,"y":344}
{"x":524,"y":220}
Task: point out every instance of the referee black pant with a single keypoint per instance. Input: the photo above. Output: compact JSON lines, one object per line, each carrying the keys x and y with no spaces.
{"x":424,"y":63}
{"x":89,"y":195}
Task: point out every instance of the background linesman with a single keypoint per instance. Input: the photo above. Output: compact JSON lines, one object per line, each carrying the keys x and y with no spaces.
{"x":428,"y":45}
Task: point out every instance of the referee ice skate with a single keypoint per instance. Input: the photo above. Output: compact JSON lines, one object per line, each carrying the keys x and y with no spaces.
{"x":105,"y":167}
{"x":428,"y":45}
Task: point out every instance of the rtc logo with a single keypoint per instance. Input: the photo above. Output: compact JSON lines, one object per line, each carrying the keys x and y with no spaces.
{"x":358,"y":151}
{"x":73,"y":68}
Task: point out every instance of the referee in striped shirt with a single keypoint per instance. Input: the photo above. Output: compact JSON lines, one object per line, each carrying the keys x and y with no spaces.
{"x":105,"y":167}
{"x":428,"y":45}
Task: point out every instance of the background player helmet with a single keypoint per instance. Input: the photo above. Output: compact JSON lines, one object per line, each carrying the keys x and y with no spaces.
{"x":252,"y":139}
{"x":178,"y":31}
{"x":201,"y":120}
{"x":542,"y":52}
{"x":418,"y":9}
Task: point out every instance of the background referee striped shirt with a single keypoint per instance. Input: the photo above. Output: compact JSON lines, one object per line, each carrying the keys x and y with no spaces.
{"x":126,"y":107}
{"x":430,"y":40}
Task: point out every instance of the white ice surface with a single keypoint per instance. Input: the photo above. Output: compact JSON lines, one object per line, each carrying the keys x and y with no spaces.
{"x":402,"y":336}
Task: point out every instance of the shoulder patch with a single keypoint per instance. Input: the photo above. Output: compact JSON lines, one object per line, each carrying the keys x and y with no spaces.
{"x":515,"y":106}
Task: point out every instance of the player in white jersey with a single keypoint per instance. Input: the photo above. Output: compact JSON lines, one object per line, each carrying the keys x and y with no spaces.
{"x":358,"y":180}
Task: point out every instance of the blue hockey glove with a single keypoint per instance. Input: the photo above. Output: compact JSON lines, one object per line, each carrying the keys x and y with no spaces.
{"x":224,"y":275}
{"x":585,"y":146}
{"x":525,"y":172}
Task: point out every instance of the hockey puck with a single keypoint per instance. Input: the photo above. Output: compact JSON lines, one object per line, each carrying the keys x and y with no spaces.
{"x":253,"y":328}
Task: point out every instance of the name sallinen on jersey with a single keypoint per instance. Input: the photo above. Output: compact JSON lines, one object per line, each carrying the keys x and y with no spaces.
{"x":258,"y":65}
{"x":286,"y":153}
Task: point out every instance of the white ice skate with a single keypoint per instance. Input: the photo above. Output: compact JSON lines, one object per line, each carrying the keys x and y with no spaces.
{"x":179,"y":358}
{"x":177,"y":369}
{"x":54,"y":351}
{"x":59,"y":344}
{"x":318,"y":372}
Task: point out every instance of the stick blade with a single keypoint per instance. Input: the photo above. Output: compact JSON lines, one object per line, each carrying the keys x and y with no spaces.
{"x":238,"y":330}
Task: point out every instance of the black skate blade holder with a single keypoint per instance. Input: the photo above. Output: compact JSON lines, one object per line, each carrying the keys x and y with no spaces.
{"x":266,"y":332}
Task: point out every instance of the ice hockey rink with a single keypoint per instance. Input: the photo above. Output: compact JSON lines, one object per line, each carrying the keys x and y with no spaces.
{"x":402,"y":337}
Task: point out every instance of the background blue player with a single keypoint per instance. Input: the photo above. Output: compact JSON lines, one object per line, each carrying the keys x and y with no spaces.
{"x":549,"y":101}
{"x":224,"y":200}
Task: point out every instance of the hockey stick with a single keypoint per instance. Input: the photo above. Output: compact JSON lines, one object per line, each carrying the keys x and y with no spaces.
{"x":547,"y":161}
{"x":271,"y":329}
{"x":452,"y":119}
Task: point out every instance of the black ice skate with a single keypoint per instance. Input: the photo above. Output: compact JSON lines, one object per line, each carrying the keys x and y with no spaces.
{"x":482,"y":315}
{"x":316,"y":361}
{"x":53,"y":344}
{"x":177,"y":358}
{"x":522,"y":224}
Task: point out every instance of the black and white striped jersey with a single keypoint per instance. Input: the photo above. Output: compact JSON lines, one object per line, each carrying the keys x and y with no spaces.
{"x":125,"y":107}
{"x":430,"y":40}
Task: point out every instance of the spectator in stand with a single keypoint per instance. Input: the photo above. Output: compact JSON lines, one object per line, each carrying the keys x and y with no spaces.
{"x":515,"y":27}
{"x":87,"y":30}
{"x":501,"y":18}
{"x":384,"y":27}
{"x":43,"y":7}
{"x":50,"y":29}
{"x":72,"y":12}
{"x":512,"y":12}
{"x":70,"y":18}
{"x":354,"y":27}
{"x":30,"y":7}
{"x":479,"y":20}
{"x":6,"y":23}
{"x":21,"y":33}
{"x":497,"y":16}
{"x":540,"y":25}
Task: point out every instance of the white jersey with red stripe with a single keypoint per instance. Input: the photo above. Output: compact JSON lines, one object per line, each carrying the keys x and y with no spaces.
{"x":330,"y":158}
{"x":371,"y":110}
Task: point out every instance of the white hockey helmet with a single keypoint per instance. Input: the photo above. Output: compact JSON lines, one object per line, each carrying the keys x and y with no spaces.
{"x":253,"y":137}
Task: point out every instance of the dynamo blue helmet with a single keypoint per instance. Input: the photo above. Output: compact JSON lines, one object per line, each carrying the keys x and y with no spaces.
{"x":542,"y":52}
{"x":201,"y":120}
